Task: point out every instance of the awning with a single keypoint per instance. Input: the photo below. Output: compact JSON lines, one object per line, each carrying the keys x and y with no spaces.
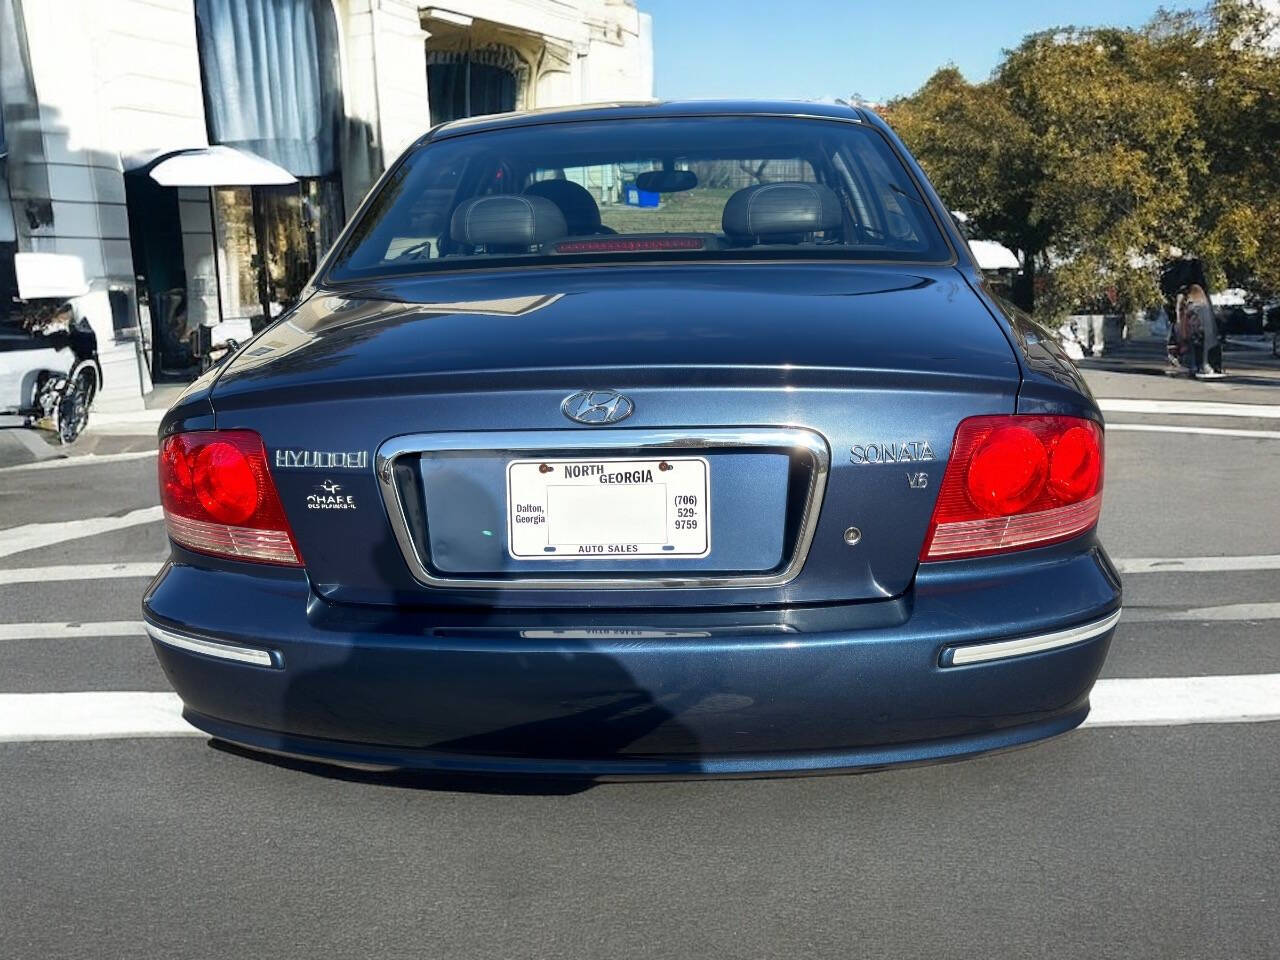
{"x":217,"y":166}
{"x":993,"y":256}
{"x":49,"y":276}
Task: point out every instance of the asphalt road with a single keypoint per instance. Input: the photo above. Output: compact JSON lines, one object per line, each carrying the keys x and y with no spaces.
{"x":1129,"y":841}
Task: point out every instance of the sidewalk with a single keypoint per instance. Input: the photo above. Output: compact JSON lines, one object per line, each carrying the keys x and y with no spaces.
{"x":1137,"y":369}
{"x":108,"y":433}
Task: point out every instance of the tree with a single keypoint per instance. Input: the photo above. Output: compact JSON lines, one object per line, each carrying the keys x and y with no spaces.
{"x":979,"y":152}
{"x":1226,"y":64}
{"x":1093,"y":153}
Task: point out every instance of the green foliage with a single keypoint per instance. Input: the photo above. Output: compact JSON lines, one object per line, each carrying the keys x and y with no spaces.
{"x":1093,"y":153}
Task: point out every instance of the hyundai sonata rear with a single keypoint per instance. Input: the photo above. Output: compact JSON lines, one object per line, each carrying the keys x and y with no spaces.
{"x":659,"y":440}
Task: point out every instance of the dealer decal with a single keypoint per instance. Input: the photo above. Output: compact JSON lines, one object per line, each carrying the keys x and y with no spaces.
{"x":329,"y":496}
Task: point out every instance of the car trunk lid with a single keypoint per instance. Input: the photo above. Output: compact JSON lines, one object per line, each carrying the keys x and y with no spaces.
{"x":873,"y":366}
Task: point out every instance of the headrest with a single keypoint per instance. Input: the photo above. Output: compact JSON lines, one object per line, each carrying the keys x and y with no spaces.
{"x":781,"y":209}
{"x":581,"y":213}
{"x":507,"y":221}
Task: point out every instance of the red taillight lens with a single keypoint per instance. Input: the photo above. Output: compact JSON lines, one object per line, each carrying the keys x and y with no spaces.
{"x":225,"y":483}
{"x":219,"y":498}
{"x":1075,"y":471}
{"x":1015,"y":482}
{"x":1007,"y":471}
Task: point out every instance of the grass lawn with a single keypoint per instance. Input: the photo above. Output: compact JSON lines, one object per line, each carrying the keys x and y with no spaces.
{"x":697,"y":211}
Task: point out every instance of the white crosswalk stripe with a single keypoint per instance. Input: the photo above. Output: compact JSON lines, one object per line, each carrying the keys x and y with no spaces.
{"x":1158,"y":701}
{"x":91,"y":716}
{"x":1203,"y":431}
{"x":145,"y":569}
{"x":60,"y":631}
{"x":31,"y":536}
{"x":83,"y":460}
{"x":1197,"y":564}
{"x":1164,"y":701}
{"x":66,"y":573}
{"x":1219,"y":614}
{"x":1191,"y":408}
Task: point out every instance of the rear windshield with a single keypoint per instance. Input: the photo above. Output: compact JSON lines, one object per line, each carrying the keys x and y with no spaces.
{"x":706,"y":188}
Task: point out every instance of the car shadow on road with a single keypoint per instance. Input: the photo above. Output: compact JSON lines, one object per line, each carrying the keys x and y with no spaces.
{"x":523,"y":786}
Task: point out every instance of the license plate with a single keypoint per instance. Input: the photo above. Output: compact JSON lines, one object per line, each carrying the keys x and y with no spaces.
{"x":608,"y":509}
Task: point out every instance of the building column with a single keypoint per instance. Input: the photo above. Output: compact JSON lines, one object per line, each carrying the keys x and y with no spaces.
{"x":384,"y":88}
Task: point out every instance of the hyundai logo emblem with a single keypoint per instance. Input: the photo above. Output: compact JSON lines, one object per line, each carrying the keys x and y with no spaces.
{"x":597,"y":407}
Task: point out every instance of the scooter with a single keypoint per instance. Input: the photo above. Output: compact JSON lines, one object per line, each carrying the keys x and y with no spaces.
{"x":49,"y":368}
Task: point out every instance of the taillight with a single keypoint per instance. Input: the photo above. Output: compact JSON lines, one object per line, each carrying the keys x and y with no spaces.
{"x":219,"y":498}
{"x":1015,"y":482}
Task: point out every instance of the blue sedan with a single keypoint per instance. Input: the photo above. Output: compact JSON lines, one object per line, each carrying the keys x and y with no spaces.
{"x":659,"y":440}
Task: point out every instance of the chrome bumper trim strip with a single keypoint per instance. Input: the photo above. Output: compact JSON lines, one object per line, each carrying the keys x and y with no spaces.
{"x":804,"y":441}
{"x":215,"y":648}
{"x":982,"y":652}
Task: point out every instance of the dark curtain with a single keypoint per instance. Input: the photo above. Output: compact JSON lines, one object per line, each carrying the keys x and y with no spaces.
{"x":493,"y":89}
{"x":469,"y":83}
{"x":272,"y":80}
{"x":446,"y":91}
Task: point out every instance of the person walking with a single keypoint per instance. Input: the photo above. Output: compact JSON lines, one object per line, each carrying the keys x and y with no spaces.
{"x":1187,"y":334}
{"x":1207,"y":349}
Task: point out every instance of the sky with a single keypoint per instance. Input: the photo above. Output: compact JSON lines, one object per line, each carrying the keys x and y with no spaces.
{"x":811,"y":49}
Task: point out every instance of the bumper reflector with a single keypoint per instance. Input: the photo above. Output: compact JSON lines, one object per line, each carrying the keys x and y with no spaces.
{"x":998,"y":650}
{"x":214,"y":648}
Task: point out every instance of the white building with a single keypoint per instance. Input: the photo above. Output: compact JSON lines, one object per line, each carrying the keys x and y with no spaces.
{"x":110,"y":108}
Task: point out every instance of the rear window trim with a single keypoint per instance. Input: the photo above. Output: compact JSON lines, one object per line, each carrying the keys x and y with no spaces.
{"x":324,"y":274}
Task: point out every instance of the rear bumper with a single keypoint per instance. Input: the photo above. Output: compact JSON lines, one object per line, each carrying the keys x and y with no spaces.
{"x":656,"y":693}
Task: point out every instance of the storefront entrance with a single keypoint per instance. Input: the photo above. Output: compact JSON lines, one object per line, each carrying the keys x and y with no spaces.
{"x":269,"y":242}
{"x":226,"y":239}
{"x":223,"y":242}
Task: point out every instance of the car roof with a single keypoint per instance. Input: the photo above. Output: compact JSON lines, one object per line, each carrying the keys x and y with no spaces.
{"x":650,"y":109}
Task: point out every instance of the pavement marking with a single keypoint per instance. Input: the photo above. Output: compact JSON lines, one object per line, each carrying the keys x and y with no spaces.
{"x":1269,"y":561}
{"x":1171,"y":701}
{"x":60,"y":573}
{"x":31,"y":536}
{"x":1206,"y":431}
{"x":1192,"y":408}
{"x":123,"y":430}
{"x":60,"y":631}
{"x":82,"y":460}
{"x":1159,"y":701}
{"x":129,"y":423}
{"x":1225,"y":612}
{"x":79,"y":571}
{"x":91,"y":716}
{"x":118,"y":418}
{"x":139,"y":569}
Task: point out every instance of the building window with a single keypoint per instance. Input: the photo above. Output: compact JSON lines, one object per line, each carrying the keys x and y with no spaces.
{"x":272,"y":86}
{"x":270,"y":240}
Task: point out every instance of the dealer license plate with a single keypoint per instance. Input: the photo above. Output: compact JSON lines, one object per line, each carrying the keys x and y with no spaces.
{"x":608,"y":509}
